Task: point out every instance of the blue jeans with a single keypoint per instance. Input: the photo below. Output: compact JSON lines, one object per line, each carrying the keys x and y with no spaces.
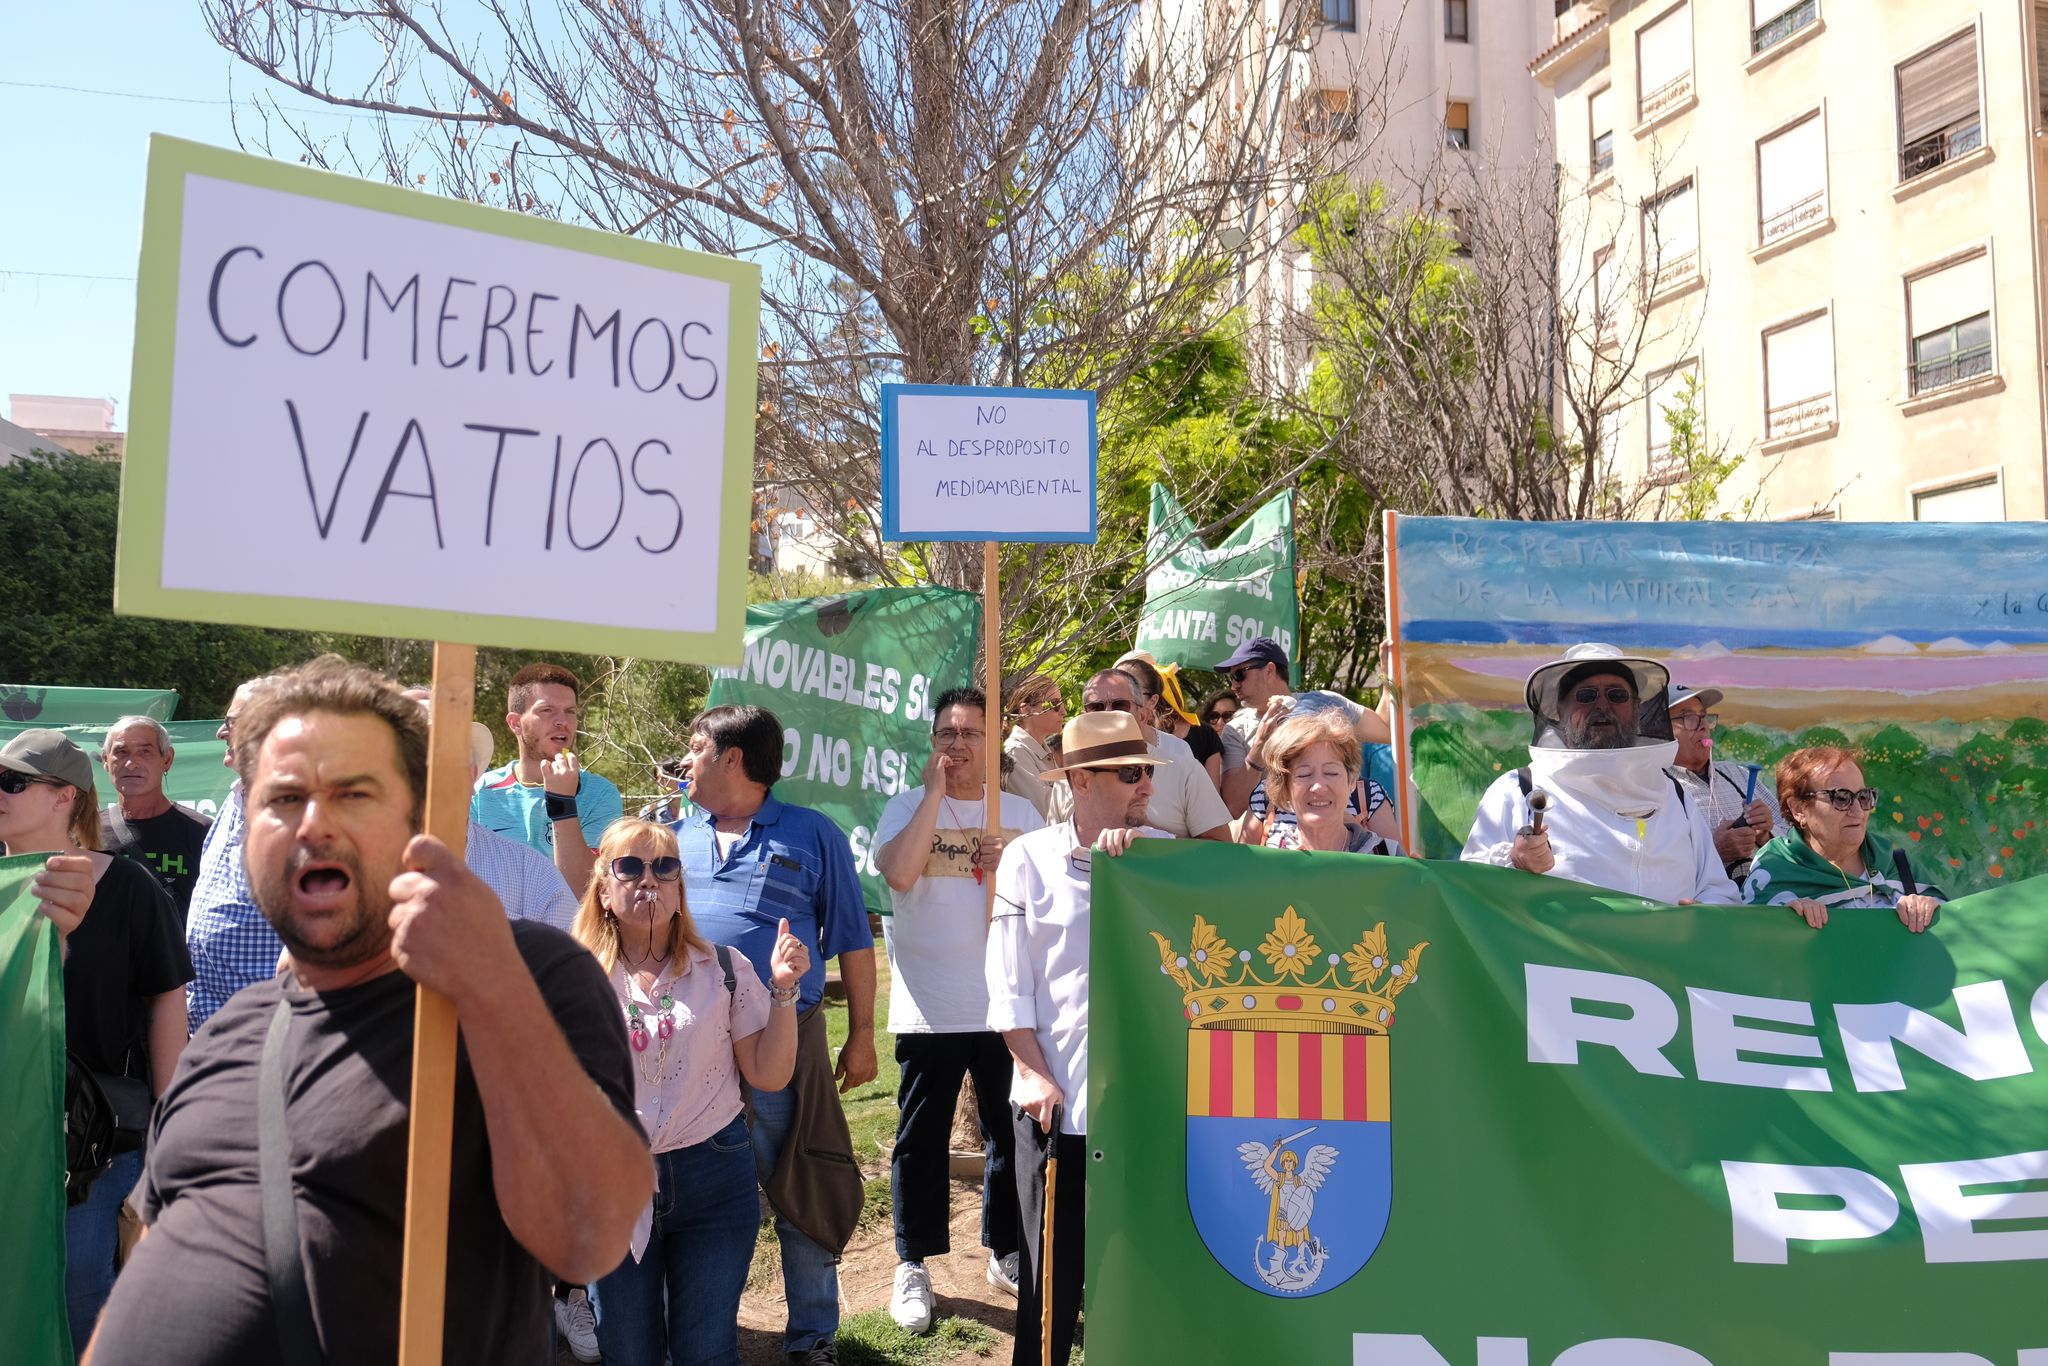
{"x":92,"y":1239}
{"x":706,"y":1218}
{"x":810,"y":1274}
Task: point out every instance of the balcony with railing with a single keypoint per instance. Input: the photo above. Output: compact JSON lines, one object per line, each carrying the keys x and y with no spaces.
{"x":1665,"y":468}
{"x":1603,"y":153}
{"x":1665,"y":97}
{"x":1774,"y":31}
{"x":1936,"y":149}
{"x":1678,"y":270}
{"x":1793,"y":217}
{"x":1799,"y":416}
{"x":1950,"y":355}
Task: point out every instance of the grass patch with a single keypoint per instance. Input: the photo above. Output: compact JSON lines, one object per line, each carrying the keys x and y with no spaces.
{"x":875,"y":1339}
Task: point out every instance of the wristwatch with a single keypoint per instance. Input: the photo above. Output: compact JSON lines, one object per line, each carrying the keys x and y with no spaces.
{"x":785,"y":996}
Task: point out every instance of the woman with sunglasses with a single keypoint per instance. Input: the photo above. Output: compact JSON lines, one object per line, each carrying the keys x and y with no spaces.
{"x":699,"y":1021}
{"x":1831,"y":860}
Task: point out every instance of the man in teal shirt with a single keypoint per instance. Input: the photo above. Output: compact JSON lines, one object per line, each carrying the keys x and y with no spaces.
{"x":542,"y":798}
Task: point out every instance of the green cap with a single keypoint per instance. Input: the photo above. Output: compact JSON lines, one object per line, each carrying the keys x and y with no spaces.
{"x":48,"y":754}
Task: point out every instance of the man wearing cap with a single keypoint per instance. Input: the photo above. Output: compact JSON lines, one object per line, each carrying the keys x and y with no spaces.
{"x":1184,"y":802}
{"x":142,"y":823}
{"x":1615,"y":817}
{"x":1742,"y":812}
{"x":1259,"y":674}
{"x":1037,"y":969}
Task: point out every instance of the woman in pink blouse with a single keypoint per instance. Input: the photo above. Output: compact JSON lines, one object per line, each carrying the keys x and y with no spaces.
{"x":698,"y":1020}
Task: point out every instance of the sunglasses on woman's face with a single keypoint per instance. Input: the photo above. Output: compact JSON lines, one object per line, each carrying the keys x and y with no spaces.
{"x":14,"y":784}
{"x":1842,"y":798}
{"x":631,"y":868}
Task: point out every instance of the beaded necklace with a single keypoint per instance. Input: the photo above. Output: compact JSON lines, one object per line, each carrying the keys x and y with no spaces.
{"x":664,"y":1030}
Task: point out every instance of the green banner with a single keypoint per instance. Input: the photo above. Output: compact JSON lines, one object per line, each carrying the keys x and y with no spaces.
{"x":1201,"y":604}
{"x":1364,"y":1110}
{"x":31,"y":1123}
{"x":852,"y":679}
{"x":28,"y":704}
{"x":197,"y":777}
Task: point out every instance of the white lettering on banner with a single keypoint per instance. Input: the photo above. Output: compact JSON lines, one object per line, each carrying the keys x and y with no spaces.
{"x":782,"y":664}
{"x":792,"y":749}
{"x":863,"y":841}
{"x":1240,"y":629}
{"x":1764,"y":1229}
{"x":1412,"y":1349}
{"x":1556,"y":1029}
{"x":1409,"y":1349}
{"x":1718,"y":1041}
{"x":1987,"y":1046}
{"x":1948,"y":1217}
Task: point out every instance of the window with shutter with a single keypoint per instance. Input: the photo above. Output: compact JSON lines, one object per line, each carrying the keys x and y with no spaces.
{"x":1457,"y":21}
{"x":1341,"y":14}
{"x":1792,"y":179}
{"x":1664,"y":396}
{"x":1664,"y":63}
{"x":1671,"y":237}
{"x":1600,"y":128}
{"x":1948,"y":314}
{"x":1773,"y":21}
{"x":1939,"y":114}
{"x":1978,"y":500}
{"x":1799,"y":377}
{"x":1458,"y":125}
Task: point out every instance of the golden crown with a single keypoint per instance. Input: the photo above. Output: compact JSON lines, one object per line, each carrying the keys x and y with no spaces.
{"x":1307,"y":991}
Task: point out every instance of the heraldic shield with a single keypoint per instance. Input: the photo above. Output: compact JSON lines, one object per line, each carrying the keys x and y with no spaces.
{"x":1290,"y":1174}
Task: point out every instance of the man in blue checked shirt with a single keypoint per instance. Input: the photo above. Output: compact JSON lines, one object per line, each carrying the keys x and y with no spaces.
{"x":750,"y":861}
{"x":230,"y":943}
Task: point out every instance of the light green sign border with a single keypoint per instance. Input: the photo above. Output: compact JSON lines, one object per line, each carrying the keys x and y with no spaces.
{"x":145,"y":468}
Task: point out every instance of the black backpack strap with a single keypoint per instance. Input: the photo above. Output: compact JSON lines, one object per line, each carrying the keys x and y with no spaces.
{"x":117,"y":824}
{"x":1523,"y":781}
{"x":732,"y":983}
{"x":290,"y":1301}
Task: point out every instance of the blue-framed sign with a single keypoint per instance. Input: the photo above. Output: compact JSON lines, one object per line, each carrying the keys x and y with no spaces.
{"x":969,"y":464}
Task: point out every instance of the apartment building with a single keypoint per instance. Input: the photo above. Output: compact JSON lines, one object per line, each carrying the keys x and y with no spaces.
{"x":1829,"y":213}
{"x":1432,"y":97}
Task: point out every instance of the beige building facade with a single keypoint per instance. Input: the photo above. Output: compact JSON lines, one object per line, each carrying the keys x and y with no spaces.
{"x":1828,"y":212}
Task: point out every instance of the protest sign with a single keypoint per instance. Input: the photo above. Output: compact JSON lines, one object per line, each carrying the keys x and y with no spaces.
{"x":360,"y":408}
{"x":1201,"y":604}
{"x":31,"y":1123}
{"x":30,"y":704}
{"x":962,"y":464}
{"x":852,"y":680}
{"x":1925,"y":649}
{"x":1351,"y":1109}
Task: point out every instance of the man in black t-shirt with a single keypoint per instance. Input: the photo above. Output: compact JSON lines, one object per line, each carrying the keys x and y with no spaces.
{"x":550,"y":1166}
{"x":144,"y":824}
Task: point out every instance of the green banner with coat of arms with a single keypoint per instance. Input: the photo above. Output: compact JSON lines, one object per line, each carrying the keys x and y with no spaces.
{"x":1384,"y":1112}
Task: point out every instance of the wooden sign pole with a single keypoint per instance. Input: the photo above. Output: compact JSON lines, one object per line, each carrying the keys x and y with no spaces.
{"x":992,"y":676}
{"x":424,"y":1278}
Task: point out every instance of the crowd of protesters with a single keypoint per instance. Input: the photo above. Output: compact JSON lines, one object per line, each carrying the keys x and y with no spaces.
{"x":644,"y":1055}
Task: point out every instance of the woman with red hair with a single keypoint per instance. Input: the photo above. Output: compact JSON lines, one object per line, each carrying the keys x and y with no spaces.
{"x":1831,"y":861}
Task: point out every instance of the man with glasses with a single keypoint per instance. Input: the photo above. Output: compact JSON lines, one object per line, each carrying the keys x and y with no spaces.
{"x":931,"y":850}
{"x":1038,"y":997}
{"x":1184,"y":802}
{"x":1614,"y":816}
{"x":1038,"y":711}
{"x":231,"y":943}
{"x":1740,"y":809}
{"x":751,"y":860}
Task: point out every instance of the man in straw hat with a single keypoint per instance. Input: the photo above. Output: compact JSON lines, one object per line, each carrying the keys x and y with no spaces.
{"x":1610,"y":814}
{"x":1038,"y":998}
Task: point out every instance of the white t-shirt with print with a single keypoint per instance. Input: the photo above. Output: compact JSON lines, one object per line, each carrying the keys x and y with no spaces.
{"x":937,"y":937}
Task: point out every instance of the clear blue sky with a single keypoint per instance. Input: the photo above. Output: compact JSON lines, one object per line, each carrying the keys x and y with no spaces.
{"x":71,"y":174}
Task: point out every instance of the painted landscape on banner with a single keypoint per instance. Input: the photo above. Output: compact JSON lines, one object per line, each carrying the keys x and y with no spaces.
{"x":1923,"y":646}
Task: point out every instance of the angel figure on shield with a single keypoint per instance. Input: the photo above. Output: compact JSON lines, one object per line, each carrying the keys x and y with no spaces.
{"x":1290,"y":1183}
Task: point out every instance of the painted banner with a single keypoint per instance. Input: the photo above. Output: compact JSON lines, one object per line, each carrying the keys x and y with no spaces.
{"x":852,"y":680}
{"x":1924,"y":646}
{"x":1201,"y":604}
{"x":362,"y":408}
{"x":197,"y":776}
{"x":30,"y":704}
{"x":1387,"y":1112}
{"x":31,"y":1123}
{"x":981,"y":464}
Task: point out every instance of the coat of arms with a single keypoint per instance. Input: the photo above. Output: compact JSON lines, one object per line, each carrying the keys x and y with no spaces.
{"x":1297,"y":1052}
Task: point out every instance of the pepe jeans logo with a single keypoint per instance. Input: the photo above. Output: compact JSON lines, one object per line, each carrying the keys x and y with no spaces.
{"x":1276,"y":1058}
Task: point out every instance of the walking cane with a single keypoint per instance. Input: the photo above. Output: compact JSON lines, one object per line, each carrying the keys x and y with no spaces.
{"x":1052,"y":1184}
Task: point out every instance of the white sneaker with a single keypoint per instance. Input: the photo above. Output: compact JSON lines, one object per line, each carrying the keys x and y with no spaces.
{"x":911,"y":1305}
{"x":1002,"y":1273}
{"x":577,"y":1323}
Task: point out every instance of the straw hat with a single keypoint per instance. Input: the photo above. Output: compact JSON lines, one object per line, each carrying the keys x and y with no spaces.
{"x":1101,"y":739}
